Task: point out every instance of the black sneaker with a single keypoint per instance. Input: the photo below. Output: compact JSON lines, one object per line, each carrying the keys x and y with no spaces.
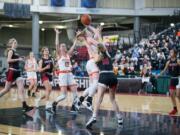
{"x":54,"y":106}
{"x":74,"y":109}
{"x":91,"y":121}
{"x":33,"y":94}
{"x":77,"y":104}
{"x":88,"y":105}
{"x":27,"y":109}
{"x":50,"y":110}
{"x":29,"y":93}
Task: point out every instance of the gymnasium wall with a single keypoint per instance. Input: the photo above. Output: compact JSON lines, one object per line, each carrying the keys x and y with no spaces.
{"x":113,"y":3}
{"x":24,"y":37}
{"x":162,"y":3}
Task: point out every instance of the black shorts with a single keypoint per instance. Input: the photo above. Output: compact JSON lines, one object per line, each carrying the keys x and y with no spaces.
{"x":46,"y":77}
{"x":108,"y":79}
{"x":173,"y":83}
{"x":12,"y":75}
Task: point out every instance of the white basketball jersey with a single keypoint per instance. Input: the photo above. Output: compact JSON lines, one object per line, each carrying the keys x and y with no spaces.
{"x":64,"y":63}
{"x":92,"y":49}
{"x":31,"y":64}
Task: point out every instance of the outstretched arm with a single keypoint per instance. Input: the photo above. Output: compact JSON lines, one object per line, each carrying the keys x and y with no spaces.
{"x":96,"y":32}
{"x":166,"y":67}
{"x":70,"y":52}
{"x":57,"y":32}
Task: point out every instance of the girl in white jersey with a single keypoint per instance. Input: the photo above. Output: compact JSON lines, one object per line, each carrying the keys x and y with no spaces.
{"x":91,"y":38}
{"x":66,"y":78}
{"x":31,"y":68}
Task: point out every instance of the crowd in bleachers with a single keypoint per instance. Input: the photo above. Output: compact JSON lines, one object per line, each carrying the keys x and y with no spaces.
{"x":149,"y":55}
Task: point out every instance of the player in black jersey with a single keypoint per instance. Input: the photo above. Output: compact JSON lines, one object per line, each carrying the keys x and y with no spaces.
{"x":46,"y":69}
{"x":107,"y":80}
{"x":173,"y":68}
{"x":14,"y":73}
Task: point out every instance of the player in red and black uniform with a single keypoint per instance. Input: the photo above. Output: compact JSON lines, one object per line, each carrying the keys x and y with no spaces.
{"x":46,"y":69}
{"x":173,"y":68}
{"x":107,"y":80}
{"x":14,"y":74}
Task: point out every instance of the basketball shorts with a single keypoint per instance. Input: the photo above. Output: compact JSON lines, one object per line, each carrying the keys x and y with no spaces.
{"x":108,"y":80}
{"x":66,"y":79}
{"x":173,"y":83}
{"x":91,"y":67}
{"x":46,"y":77}
{"x":12,"y":75}
{"x":31,"y":75}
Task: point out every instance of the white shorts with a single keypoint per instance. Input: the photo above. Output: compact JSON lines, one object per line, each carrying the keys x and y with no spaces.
{"x":66,"y":79}
{"x":178,"y":86}
{"x":31,"y":75}
{"x":91,"y":67}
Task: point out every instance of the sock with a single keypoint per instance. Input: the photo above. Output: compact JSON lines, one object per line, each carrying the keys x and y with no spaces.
{"x":81,"y":99}
{"x":118,"y":115}
{"x":89,"y":99}
{"x":93,"y":87}
{"x":60,"y":98}
{"x":175,"y":108}
{"x":48,"y":104}
{"x":94,"y":115}
{"x":74,"y":95}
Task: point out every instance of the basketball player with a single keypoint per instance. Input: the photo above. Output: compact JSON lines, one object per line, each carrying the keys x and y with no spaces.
{"x":91,"y":38}
{"x":31,"y":68}
{"x":107,"y":80}
{"x":173,"y":67}
{"x":46,"y":65}
{"x":14,"y":75}
{"x":66,"y":78}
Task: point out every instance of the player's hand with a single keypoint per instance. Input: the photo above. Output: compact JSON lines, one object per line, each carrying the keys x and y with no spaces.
{"x":47,"y":67}
{"x":57,"y":31}
{"x":20,"y":59}
{"x":79,"y":33}
{"x":99,"y":28}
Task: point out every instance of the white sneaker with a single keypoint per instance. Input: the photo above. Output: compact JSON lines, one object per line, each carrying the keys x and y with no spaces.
{"x":120,"y":122}
{"x":88,"y":106}
{"x":91,"y":121}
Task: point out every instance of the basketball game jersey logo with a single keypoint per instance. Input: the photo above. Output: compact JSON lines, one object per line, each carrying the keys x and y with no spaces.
{"x":47,"y":61}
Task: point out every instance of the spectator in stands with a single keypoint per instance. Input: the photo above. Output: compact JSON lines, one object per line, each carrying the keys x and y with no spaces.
{"x":77,"y":71}
{"x":152,"y":36}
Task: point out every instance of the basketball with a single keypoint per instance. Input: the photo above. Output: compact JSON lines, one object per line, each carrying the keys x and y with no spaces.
{"x":86,"y":19}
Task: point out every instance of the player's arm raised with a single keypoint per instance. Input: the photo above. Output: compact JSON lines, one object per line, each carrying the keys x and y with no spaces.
{"x":70,"y":52}
{"x":57,"y":32}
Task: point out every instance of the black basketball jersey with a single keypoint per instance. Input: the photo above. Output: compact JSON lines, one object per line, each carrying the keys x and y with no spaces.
{"x":14,"y":65}
{"x":46,"y":62}
{"x":173,"y":68}
{"x":106,"y":63}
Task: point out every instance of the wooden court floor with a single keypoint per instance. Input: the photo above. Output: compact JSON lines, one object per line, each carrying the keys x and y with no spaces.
{"x":145,"y":105}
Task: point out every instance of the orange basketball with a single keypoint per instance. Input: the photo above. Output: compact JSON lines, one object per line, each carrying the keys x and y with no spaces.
{"x":86,"y":19}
